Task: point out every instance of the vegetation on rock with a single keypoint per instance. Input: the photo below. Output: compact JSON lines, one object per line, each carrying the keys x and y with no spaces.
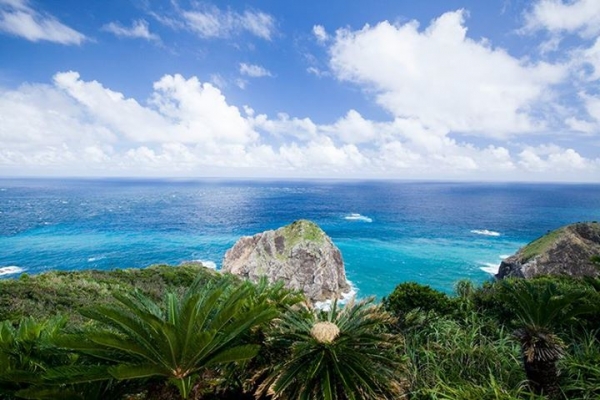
{"x":570,"y":250}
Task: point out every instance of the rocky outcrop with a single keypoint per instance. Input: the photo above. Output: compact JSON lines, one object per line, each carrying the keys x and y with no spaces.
{"x":570,"y":250}
{"x":300,"y":254}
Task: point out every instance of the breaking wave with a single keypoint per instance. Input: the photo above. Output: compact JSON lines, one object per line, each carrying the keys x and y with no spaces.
{"x":485,"y":232}
{"x":207,"y":263}
{"x":357,"y":217}
{"x":490,"y":268}
{"x":346,"y":297}
{"x":11,"y":269}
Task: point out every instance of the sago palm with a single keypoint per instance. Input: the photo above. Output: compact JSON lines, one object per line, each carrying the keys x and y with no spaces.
{"x":179,"y":341}
{"x":344,"y":353}
{"x":24,"y":352}
{"x":539,"y":311}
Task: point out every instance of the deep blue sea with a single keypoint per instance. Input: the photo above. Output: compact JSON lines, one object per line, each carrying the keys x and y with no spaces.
{"x":388,"y":232}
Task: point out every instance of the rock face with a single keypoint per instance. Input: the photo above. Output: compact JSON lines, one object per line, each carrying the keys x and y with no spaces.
{"x":300,"y":254}
{"x":566,"y":251}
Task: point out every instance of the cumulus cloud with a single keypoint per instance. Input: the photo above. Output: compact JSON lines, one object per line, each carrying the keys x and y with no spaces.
{"x":443,"y":78}
{"x":552,"y":158}
{"x":254,"y":71}
{"x":212,"y":22}
{"x":18,"y":18}
{"x":557,"y":16}
{"x":187,"y":127}
{"x":179,"y":110}
{"x":139,"y":29}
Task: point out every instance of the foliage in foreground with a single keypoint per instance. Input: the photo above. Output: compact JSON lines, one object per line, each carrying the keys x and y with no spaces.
{"x":178,"y":342}
{"x":438,"y":346}
{"x":464,"y":348}
{"x":344,"y":353}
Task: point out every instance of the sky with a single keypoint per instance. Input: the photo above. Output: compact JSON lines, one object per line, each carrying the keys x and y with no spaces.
{"x":495,"y":90}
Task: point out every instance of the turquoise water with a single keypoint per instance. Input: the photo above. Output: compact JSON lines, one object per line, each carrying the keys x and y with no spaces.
{"x":388,"y":232}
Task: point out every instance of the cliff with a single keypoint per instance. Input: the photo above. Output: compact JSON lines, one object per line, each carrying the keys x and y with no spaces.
{"x":566,"y":251}
{"x":300,"y":254}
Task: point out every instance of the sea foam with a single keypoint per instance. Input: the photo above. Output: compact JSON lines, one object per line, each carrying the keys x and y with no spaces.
{"x":357,"y":217}
{"x":490,"y":268}
{"x":346,"y":297}
{"x":207,"y":263}
{"x":11,"y":269}
{"x":485,"y":232}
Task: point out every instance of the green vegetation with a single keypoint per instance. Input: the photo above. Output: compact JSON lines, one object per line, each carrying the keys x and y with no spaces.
{"x":540,"y":245}
{"x":187,"y":332}
{"x":538,"y":312}
{"x":176,"y":342}
{"x":65,"y":293}
{"x":340,"y":354}
{"x":303,"y":230}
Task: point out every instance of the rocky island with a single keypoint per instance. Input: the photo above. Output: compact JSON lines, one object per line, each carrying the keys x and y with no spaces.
{"x":300,"y":254}
{"x":570,"y":250}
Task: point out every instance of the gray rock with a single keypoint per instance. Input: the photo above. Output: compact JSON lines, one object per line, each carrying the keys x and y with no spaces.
{"x":566,"y":251}
{"x":300,"y":254}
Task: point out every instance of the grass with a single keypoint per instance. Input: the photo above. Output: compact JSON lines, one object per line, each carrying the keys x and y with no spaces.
{"x":303,"y":230}
{"x":540,"y":245}
{"x":60,"y":292}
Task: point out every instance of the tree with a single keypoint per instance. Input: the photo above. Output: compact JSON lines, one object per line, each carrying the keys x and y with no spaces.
{"x":177,"y":342}
{"x":539,"y":310}
{"x":344,"y":353}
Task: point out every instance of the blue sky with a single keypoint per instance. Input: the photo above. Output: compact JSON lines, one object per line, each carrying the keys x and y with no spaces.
{"x":464,"y":90}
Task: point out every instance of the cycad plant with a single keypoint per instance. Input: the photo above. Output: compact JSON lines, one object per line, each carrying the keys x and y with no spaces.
{"x":177,"y":342}
{"x":24,"y":352}
{"x":344,"y":353}
{"x":540,"y":309}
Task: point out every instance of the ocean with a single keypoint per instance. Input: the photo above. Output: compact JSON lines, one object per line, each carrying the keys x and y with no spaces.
{"x":389,"y":232}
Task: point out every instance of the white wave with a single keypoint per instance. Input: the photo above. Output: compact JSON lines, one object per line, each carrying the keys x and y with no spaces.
{"x":207,"y":263}
{"x":346,"y":297}
{"x":490,"y":268}
{"x":357,"y":217}
{"x":485,"y":232}
{"x":11,"y":269}
{"x":504,"y":256}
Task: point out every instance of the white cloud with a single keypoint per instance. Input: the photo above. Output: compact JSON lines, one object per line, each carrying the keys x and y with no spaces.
{"x":320,"y":33}
{"x":211,"y":22}
{"x":254,"y":71}
{"x":442,"y":78}
{"x":241,"y":83}
{"x":552,"y":158}
{"x":322,"y":154}
{"x":18,"y":18}
{"x":317,"y":72}
{"x":218,"y":81}
{"x":557,"y":16}
{"x":179,"y":110}
{"x":353,"y":128}
{"x":592,"y":105}
{"x":188,"y":128}
{"x":579,"y":125}
{"x":139,"y":29}
{"x":285,"y":127}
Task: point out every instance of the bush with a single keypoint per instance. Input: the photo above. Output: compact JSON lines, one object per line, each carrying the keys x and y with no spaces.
{"x":408,"y":296}
{"x":59,"y":292}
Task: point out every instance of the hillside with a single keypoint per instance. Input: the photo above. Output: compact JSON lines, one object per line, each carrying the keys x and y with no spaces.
{"x":569,"y":250}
